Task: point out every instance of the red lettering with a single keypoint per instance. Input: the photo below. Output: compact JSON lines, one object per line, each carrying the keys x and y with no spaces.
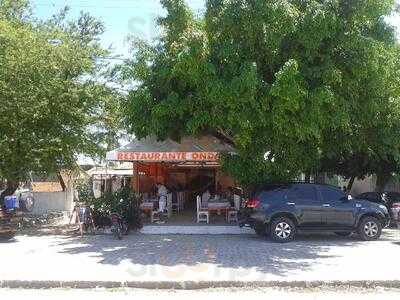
{"x":172,"y":156}
{"x":143,"y":156}
{"x":164,"y":156}
{"x":211,"y":156}
{"x":120,"y":156}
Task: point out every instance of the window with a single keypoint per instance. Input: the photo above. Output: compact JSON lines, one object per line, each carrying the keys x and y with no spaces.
{"x":373,"y":197}
{"x":272,"y":193}
{"x":330,"y":195}
{"x":302,"y":193}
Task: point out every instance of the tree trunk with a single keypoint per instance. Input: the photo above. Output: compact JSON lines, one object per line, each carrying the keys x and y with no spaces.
{"x":381,"y":181}
{"x":10,"y":189}
{"x":350,"y":184}
{"x":307,"y":177}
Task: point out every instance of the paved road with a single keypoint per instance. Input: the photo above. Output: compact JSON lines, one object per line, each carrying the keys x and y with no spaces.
{"x":231,"y":294}
{"x":198,"y":258}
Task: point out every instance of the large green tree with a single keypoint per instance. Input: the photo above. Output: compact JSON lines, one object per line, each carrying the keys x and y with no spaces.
{"x":292,"y":84}
{"x":50,"y":101}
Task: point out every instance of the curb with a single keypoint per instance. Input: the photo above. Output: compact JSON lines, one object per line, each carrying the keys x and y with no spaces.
{"x":195,"y":285}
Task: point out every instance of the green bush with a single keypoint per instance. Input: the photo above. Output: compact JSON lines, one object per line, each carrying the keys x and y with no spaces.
{"x":124,"y":202}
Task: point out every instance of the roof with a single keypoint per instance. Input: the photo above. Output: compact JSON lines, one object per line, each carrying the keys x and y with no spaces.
{"x":110,"y":171}
{"x":46,"y":186}
{"x":207,"y":143}
{"x":187,"y":144}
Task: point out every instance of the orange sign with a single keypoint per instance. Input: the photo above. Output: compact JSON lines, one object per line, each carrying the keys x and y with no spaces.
{"x":167,"y":156}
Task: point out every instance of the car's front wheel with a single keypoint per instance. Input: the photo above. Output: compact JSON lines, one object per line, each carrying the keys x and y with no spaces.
{"x":370,"y":229}
{"x":283,"y":230}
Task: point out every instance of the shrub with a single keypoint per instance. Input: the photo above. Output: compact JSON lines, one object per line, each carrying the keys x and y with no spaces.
{"x":123,"y":201}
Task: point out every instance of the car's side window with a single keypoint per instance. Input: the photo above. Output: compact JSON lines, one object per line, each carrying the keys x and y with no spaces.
{"x":330,"y":195}
{"x":302,"y":193}
{"x":374,"y":197}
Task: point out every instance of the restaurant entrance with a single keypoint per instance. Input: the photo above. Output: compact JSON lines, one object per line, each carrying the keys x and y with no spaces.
{"x":186,"y":176}
{"x":184,"y":185}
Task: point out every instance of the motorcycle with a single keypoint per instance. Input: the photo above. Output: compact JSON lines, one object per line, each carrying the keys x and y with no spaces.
{"x":118,"y":226}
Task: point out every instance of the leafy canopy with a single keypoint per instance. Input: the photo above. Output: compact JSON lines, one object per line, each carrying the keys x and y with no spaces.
{"x":49,"y":96}
{"x":292,"y":84}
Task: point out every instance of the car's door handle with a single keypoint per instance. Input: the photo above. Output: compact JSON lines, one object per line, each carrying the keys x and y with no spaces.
{"x":326,"y":205}
{"x":291,"y":203}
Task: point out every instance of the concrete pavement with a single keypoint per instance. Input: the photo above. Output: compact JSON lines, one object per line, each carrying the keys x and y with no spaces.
{"x":231,"y":293}
{"x":180,"y":259}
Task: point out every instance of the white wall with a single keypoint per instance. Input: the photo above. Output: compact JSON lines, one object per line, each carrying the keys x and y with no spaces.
{"x":52,"y":201}
{"x":368,"y":185}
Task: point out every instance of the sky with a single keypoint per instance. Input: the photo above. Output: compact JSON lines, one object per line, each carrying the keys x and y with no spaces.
{"x":121,"y":17}
{"x":124,"y":17}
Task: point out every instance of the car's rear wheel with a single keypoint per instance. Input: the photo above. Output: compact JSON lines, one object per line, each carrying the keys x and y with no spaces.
{"x":344,"y":234}
{"x":283,"y":230}
{"x":370,"y":229}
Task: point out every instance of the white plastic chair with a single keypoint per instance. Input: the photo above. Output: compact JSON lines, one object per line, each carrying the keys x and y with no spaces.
{"x":232,"y":214}
{"x":202,"y":213}
{"x":236,"y":201}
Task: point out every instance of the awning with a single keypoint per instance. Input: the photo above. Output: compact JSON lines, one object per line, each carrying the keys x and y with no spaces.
{"x":110,"y":172}
{"x":190,"y":149}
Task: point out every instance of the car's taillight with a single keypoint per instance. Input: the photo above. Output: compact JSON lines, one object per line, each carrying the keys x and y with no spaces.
{"x":396,"y":205}
{"x":253,"y":203}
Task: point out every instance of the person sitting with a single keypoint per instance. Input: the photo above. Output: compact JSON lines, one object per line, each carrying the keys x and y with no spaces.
{"x":204,"y":199}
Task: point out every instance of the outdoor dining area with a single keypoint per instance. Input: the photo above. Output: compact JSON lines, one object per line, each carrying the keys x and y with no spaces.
{"x":208,"y":209}
{"x":181,"y":182}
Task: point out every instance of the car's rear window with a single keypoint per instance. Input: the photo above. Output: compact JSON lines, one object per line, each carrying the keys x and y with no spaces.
{"x":271,"y":192}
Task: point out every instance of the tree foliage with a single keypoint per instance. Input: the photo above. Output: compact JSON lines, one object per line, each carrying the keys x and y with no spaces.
{"x":49,"y":96}
{"x":294,"y":85}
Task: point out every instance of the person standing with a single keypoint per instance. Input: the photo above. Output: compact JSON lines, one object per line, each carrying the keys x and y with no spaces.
{"x":162,"y":197}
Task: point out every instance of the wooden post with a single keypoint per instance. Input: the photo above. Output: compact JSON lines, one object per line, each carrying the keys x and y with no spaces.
{"x":216,"y":178}
{"x":137,"y":177}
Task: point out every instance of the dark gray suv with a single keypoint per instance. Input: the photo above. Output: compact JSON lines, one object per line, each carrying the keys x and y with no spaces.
{"x":281,"y":210}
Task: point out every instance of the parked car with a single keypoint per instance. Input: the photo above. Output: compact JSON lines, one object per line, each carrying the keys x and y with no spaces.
{"x":281,"y":210}
{"x":390,"y":199}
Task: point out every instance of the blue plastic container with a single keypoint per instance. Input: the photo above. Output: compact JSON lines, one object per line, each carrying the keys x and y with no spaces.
{"x":11,"y":202}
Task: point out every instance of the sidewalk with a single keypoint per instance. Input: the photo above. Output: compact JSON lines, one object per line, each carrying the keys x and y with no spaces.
{"x":192,"y":261}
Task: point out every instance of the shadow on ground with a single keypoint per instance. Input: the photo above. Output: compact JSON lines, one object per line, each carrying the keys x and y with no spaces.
{"x":222,"y":251}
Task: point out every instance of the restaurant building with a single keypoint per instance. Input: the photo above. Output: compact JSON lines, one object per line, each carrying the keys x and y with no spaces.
{"x":187,"y":168}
